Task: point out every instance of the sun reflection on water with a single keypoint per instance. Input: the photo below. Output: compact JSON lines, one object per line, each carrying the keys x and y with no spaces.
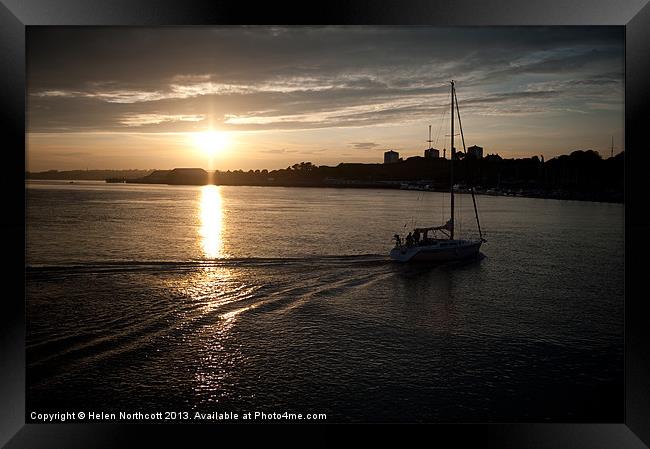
{"x":211,"y":215}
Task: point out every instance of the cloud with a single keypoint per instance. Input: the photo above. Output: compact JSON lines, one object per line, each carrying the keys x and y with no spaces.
{"x":71,"y":154}
{"x":278,"y":151}
{"x":270,"y":78}
{"x":364,"y":145}
{"x":133,"y":120}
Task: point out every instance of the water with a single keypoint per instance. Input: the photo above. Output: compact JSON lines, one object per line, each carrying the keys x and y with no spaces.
{"x":157,"y":298}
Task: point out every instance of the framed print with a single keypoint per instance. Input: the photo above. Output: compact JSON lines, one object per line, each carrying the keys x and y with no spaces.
{"x":406,"y":212}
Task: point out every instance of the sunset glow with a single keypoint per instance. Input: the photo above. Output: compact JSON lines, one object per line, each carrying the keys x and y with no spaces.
{"x":211,"y":142}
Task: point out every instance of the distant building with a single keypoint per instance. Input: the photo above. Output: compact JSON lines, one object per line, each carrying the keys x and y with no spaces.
{"x":431,"y":153}
{"x":391,"y":157}
{"x":475,"y":151}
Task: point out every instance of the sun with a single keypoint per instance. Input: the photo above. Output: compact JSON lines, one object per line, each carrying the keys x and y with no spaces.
{"x":211,"y":142}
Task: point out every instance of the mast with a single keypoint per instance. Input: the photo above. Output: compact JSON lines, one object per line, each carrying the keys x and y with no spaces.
{"x":451,"y":171}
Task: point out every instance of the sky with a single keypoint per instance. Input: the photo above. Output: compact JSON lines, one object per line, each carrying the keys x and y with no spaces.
{"x":269,"y":97}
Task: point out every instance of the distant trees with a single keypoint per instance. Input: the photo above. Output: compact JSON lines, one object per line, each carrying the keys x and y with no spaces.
{"x":94,"y":175}
{"x":584,"y":170}
{"x":303,"y":167}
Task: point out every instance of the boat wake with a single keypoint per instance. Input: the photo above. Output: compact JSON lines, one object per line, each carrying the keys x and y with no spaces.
{"x":130,"y":265}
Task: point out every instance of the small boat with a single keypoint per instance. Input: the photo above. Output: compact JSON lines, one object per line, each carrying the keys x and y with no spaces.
{"x":418,"y":246}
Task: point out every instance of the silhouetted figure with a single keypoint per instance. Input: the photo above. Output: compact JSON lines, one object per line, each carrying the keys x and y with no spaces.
{"x":416,"y":237}
{"x":409,"y":240}
{"x":398,"y":240}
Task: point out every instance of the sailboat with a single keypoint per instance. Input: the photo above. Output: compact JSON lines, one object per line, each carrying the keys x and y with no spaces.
{"x":418,"y":246}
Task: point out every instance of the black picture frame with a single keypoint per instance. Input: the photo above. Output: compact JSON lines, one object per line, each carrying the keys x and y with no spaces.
{"x":16,"y":15}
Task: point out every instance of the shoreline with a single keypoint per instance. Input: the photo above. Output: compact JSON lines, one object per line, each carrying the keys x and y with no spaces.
{"x":389,"y":185}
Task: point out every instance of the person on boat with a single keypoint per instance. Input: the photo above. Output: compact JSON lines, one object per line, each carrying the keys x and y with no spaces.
{"x":416,"y":237}
{"x":409,"y":240}
{"x":398,"y":240}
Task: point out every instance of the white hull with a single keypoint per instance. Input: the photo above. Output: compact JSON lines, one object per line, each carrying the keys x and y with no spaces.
{"x":438,"y":251}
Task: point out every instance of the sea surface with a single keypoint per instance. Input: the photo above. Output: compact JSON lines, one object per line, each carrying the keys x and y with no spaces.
{"x":242,"y":299}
